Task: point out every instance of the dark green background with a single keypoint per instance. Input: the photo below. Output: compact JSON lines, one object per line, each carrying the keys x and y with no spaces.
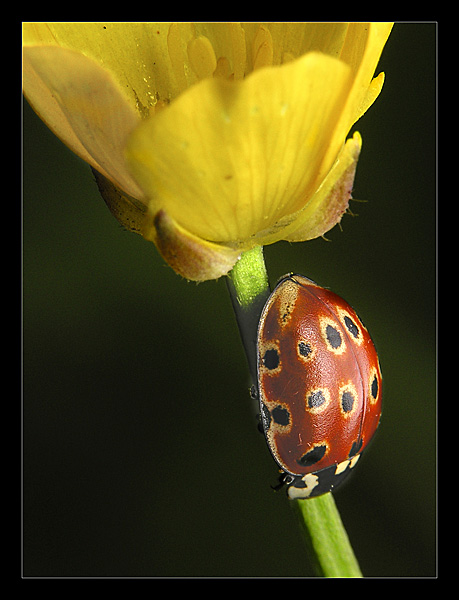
{"x":141,"y":451}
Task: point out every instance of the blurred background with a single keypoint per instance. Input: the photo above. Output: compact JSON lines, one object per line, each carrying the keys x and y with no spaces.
{"x":141,"y":450}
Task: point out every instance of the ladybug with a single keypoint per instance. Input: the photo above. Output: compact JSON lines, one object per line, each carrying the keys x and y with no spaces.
{"x":319,"y":385}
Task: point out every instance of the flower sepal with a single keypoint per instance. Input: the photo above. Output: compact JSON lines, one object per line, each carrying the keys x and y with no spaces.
{"x":126,"y":209}
{"x":328,"y":205}
{"x":190,"y":256}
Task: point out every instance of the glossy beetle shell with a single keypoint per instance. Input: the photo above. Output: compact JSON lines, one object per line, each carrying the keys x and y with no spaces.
{"x":319,"y":385}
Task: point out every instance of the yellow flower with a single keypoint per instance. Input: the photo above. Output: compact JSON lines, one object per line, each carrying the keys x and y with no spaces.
{"x":210,"y":138}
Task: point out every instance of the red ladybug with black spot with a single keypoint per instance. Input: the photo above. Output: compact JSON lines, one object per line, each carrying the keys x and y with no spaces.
{"x":319,"y":385}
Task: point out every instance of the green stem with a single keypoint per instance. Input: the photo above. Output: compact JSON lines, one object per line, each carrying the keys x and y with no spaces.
{"x":250,"y":277}
{"x":326,"y":539}
{"x":248,"y":286}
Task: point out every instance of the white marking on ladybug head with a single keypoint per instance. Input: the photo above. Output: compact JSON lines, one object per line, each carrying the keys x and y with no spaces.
{"x":298,"y":493}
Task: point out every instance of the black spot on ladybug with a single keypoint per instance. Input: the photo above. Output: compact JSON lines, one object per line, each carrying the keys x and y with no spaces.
{"x":281,"y":416}
{"x":347,"y":401}
{"x":304,"y":349}
{"x":271,"y":359}
{"x":351,"y":327}
{"x":333,"y":337}
{"x":313,"y":456}
{"x":356,"y":446}
{"x":374,"y":387}
{"x":316,"y":399}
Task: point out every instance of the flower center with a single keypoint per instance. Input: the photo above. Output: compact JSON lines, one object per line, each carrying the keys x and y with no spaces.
{"x":197,"y":51}
{"x":217,"y":50}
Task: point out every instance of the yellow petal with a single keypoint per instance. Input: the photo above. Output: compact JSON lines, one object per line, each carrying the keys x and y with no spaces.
{"x":136,"y":55}
{"x":82,"y":104}
{"x":227,"y":160}
{"x":361,"y":50}
{"x":371,"y":93}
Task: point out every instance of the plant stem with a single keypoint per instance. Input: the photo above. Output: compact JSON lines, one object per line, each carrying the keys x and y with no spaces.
{"x":328,"y":544}
{"x":248,"y":286}
{"x":326,"y":538}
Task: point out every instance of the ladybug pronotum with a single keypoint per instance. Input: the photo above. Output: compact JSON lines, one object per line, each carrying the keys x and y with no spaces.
{"x":319,"y":385}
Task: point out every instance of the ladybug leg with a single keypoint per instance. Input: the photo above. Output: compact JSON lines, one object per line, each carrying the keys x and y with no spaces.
{"x":284,"y":480}
{"x":254,"y":397}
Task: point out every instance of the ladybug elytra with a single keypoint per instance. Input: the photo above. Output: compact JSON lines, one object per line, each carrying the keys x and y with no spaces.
{"x":319,"y":385}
